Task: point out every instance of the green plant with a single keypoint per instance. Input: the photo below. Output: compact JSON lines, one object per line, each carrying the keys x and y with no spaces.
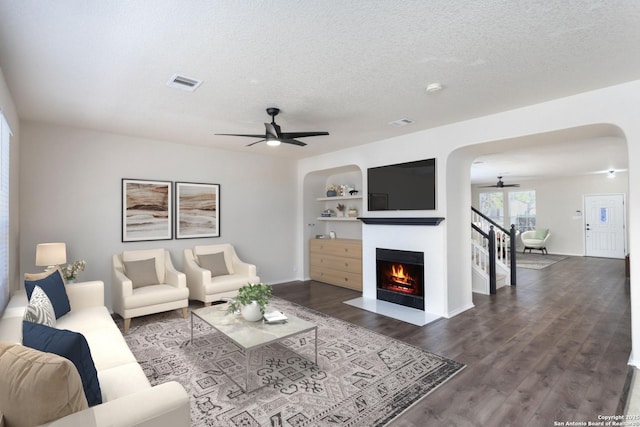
{"x":258,"y":292}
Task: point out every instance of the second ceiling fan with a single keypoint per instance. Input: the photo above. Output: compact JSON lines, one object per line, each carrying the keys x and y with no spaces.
{"x":274,"y":136}
{"x":500,"y":184}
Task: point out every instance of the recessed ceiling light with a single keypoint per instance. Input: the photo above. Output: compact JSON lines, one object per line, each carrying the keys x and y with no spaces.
{"x":434,"y":87}
{"x":401,"y":122}
{"x":185,"y":83}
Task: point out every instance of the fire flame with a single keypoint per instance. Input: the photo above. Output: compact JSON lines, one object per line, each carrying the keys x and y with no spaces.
{"x":399,"y":275}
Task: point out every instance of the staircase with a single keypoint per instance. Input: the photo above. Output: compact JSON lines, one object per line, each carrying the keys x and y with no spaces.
{"x":492,"y":253}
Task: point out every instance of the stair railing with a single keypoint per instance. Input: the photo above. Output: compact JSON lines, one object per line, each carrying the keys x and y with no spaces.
{"x":490,"y":239}
{"x":504,"y":239}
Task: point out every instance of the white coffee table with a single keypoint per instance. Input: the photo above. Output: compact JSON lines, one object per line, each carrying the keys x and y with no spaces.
{"x":249,"y":336}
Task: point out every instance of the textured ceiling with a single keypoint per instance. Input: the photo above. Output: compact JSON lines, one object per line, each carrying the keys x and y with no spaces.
{"x":346,"y":67}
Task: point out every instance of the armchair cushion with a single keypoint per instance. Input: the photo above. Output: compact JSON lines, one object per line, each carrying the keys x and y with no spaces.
{"x":157,"y":254}
{"x":214,"y":263}
{"x":28,"y":376}
{"x":40,"y":310}
{"x":541,"y":233}
{"x":142,"y":272}
{"x":53,"y":285}
{"x":68,"y":344}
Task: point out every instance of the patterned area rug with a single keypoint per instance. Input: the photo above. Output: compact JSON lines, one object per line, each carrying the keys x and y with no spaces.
{"x":362,"y":378}
{"x":537,"y":261}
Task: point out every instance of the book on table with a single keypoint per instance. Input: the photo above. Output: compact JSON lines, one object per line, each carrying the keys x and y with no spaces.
{"x":275,"y":317}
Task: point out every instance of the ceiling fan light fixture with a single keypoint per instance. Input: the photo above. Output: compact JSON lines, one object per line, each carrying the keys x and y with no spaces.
{"x":272,"y":142}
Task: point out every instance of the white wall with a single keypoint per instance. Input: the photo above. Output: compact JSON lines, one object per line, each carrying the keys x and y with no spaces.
{"x":456,"y":145}
{"x":8,"y":109}
{"x":70,"y":190}
{"x":557,"y":201}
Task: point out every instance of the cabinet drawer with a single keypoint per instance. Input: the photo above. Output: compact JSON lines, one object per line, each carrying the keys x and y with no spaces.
{"x":350,"y":265}
{"x":344,"y":279}
{"x":337,"y":247}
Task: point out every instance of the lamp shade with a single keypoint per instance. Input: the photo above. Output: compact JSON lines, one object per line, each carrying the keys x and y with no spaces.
{"x":51,"y":254}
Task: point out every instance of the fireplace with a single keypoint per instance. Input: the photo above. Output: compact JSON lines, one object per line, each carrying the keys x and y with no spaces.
{"x":400,"y":277}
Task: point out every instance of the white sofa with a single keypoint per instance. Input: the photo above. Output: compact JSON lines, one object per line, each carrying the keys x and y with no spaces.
{"x":128,"y":397}
{"x":207,"y":287}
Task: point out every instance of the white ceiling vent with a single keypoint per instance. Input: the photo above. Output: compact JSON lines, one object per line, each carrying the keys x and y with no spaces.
{"x":401,"y":122}
{"x":185,"y":83}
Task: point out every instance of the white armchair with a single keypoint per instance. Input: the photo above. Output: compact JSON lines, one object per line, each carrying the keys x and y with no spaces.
{"x":215,"y":271}
{"x":536,"y":239}
{"x":145,"y":282}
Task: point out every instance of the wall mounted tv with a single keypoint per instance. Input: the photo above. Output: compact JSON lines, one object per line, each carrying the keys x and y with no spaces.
{"x":403,"y":186}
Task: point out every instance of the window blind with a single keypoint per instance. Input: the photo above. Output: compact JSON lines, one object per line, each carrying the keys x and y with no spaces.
{"x":5,"y":136}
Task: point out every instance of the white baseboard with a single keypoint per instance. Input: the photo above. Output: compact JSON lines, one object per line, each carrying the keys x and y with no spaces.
{"x":457,"y":311}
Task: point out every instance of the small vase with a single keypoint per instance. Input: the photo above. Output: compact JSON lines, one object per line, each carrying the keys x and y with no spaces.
{"x":251,"y":312}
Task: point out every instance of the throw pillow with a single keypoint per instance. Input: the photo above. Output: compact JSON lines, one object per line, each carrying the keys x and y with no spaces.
{"x":141,"y":273}
{"x":53,"y":285}
{"x":70,"y":345}
{"x":40,"y":309}
{"x":214,"y":263}
{"x":36,"y":387}
{"x":541,"y":233}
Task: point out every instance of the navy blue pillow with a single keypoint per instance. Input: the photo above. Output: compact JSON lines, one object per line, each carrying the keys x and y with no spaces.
{"x":53,"y":286}
{"x":70,"y":345}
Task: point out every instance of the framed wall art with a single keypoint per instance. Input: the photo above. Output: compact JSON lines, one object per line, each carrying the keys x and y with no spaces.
{"x":146,"y":210}
{"x":197,"y":210}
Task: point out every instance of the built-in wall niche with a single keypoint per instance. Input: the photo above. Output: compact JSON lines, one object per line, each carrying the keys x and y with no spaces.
{"x":345,"y":223}
{"x":321,"y":211}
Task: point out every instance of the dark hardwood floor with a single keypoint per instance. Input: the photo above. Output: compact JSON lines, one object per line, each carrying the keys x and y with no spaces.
{"x":554,"y":348}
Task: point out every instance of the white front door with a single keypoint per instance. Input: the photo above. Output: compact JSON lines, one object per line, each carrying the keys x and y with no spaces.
{"x":604,"y":220}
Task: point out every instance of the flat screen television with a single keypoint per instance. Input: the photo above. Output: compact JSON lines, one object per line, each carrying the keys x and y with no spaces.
{"x":402,"y":186}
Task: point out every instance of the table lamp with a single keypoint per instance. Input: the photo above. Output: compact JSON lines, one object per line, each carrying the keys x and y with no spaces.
{"x":51,"y":255}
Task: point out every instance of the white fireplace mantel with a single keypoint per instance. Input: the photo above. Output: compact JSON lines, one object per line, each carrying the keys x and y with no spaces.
{"x":405,"y":234}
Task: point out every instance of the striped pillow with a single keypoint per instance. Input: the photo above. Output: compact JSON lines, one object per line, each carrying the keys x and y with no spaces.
{"x":40,"y":310}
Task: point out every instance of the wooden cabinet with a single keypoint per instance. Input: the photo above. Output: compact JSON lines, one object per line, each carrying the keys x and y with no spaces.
{"x":336,"y":261}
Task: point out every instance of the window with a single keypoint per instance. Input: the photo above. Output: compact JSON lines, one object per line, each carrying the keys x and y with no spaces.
{"x":492,"y":205}
{"x":5,"y":135}
{"x":522,"y":210}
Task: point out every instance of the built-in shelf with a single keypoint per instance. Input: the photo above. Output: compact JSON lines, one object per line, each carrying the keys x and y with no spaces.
{"x":401,"y":221}
{"x":329,"y":199}
{"x":335,"y":218}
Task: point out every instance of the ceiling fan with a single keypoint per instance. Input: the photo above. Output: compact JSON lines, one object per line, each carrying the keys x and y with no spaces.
{"x":500,"y":184}
{"x":274,"y":136}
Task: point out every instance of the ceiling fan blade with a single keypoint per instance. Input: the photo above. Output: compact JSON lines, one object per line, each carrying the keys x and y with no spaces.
{"x":254,"y":143}
{"x":511,"y":185}
{"x":292,"y":135}
{"x":272,"y":130}
{"x":292,"y":141}
{"x":488,"y":186}
{"x":241,"y":134}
